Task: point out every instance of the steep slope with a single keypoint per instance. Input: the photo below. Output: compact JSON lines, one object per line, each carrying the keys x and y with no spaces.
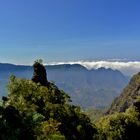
{"x":127,"y":97}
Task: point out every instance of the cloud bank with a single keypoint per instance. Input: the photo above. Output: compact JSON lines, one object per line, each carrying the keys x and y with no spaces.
{"x":127,"y":68}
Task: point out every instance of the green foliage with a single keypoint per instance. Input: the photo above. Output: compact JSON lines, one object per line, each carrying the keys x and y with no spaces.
{"x":120,"y":126}
{"x":125,"y":125}
{"x":35,"y":112}
{"x":40,"y":112}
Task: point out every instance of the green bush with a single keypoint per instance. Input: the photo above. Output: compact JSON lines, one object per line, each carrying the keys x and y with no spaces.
{"x":41,"y":112}
{"x":120,"y":126}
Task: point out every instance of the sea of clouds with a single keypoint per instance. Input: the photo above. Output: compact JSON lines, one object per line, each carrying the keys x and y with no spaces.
{"x":128,"y":68}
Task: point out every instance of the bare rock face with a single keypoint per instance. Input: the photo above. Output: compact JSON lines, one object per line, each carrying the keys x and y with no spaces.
{"x":39,"y":75}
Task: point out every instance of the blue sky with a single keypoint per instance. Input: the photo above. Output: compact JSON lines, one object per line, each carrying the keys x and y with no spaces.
{"x":67,"y":30}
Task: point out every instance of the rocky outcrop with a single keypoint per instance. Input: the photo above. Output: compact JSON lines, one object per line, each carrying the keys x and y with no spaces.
{"x":39,"y":75}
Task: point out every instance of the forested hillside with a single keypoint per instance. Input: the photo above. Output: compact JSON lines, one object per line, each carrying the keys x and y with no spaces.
{"x":37,"y":109}
{"x":127,"y":97}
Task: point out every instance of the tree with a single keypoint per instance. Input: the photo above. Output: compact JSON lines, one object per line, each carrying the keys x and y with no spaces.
{"x":121,"y":126}
{"x":42,"y":111}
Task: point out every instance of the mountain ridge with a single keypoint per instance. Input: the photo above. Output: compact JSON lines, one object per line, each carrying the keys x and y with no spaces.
{"x":87,"y":88}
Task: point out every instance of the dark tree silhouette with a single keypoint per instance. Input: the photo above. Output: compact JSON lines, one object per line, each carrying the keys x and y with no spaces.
{"x":39,"y":75}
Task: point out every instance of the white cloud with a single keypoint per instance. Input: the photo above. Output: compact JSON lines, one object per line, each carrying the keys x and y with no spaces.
{"x":128,"y":68}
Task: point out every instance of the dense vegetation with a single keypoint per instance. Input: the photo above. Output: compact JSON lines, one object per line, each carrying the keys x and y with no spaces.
{"x":33,"y":111}
{"x":121,"y":126}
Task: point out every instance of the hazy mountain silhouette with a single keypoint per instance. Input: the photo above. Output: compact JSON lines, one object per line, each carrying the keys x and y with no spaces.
{"x":87,"y":88}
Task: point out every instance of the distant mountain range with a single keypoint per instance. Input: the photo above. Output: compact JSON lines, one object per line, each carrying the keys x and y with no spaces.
{"x":87,"y":88}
